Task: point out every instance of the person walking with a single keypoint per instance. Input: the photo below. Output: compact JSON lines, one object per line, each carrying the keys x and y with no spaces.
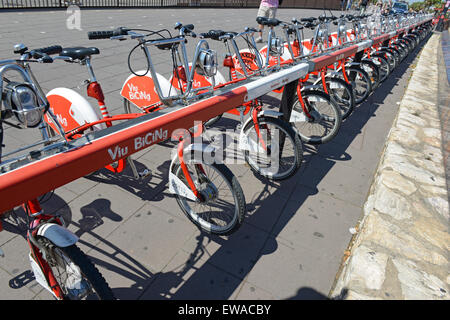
{"x":362,"y":6}
{"x":268,"y":9}
{"x":349,"y":4}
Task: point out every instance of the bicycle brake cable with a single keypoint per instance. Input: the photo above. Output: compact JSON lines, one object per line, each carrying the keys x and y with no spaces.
{"x":138,"y":45}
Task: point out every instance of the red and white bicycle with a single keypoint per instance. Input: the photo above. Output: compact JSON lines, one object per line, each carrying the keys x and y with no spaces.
{"x":57,"y":263}
{"x":206,"y":190}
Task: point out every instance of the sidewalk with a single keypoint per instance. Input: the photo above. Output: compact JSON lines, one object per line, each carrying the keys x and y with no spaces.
{"x":402,"y":248}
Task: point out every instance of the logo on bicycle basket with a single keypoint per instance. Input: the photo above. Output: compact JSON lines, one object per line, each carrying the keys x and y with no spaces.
{"x":136,"y":94}
{"x":139,"y":91}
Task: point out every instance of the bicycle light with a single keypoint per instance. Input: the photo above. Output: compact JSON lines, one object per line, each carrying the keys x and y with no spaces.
{"x":21,"y":100}
{"x":276,"y":46}
{"x":206,"y":64}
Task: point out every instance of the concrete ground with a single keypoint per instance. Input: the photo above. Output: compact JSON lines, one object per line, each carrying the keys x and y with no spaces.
{"x":295,"y":232}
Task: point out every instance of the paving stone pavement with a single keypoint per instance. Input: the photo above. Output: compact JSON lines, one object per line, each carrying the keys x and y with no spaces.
{"x":402,"y":249}
{"x":295,"y":232}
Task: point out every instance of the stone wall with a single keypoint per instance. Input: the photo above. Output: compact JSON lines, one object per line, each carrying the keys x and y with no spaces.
{"x":402,"y":249}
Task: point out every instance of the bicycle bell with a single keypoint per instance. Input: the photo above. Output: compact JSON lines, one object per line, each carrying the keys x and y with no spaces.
{"x":206,"y":64}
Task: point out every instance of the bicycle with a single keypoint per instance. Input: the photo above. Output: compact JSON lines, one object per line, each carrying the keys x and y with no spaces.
{"x":193,"y":181}
{"x":314,"y":114}
{"x":57,"y":263}
{"x":270,"y":145}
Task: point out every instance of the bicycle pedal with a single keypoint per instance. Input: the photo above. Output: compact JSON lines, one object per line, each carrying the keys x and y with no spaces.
{"x":144,"y":174}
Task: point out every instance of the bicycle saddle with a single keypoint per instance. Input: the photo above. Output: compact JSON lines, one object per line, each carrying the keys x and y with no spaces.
{"x":79,"y":52}
{"x":272,"y":22}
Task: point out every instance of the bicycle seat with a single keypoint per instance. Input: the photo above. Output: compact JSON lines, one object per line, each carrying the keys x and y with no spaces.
{"x":79,"y":52}
{"x":271,"y":22}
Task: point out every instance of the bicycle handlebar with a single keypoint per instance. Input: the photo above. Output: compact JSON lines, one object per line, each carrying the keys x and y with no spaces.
{"x":96,"y":35}
{"x":46,"y":50}
{"x":212,"y":34}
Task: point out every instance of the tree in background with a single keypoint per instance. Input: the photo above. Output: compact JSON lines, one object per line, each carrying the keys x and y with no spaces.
{"x":426,"y":5}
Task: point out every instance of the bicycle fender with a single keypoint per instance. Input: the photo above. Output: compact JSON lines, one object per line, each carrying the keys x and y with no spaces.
{"x":57,"y":234}
{"x":245,"y":143}
{"x":317,"y":87}
{"x":201,"y":147}
{"x":332,"y":85}
{"x":373,"y":61}
{"x":176,"y":186}
{"x":270,"y":113}
{"x":71,"y":109}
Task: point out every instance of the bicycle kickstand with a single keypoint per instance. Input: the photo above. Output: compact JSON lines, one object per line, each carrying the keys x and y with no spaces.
{"x":138,"y":174}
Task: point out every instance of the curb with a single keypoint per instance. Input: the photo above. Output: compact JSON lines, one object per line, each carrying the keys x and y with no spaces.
{"x":403,"y":244}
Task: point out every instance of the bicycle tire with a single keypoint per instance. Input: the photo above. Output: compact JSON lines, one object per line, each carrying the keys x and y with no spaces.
{"x":402,"y":49}
{"x":384,"y":67}
{"x":409,"y":43}
{"x":363,"y":87}
{"x":308,"y":97}
{"x":88,"y":270}
{"x":396,"y":54}
{"x":289,"y":133}
{"x":238,"y":197}
{"x":390,"y":58}
{"x":345,"y":98}
{"x":372,"y":69}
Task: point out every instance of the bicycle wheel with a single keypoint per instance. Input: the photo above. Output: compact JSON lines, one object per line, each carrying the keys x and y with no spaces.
{"x":410,"y":43}
{"x":278,"y":150}
{"x":402,"y":49}
{"x":342,"y":93}
{"x":396,"y":55}
{"x":383,"y":66}
{"x":223,"y":209}
{"x":373,"y":71}
{"x":324,"y":118}
{"x":361,"y":83}
{"x":76,"y":275}
{"x":390,"y":58}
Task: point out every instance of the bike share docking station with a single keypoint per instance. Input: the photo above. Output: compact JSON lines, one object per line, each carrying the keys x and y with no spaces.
{"x":63,"y":162}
